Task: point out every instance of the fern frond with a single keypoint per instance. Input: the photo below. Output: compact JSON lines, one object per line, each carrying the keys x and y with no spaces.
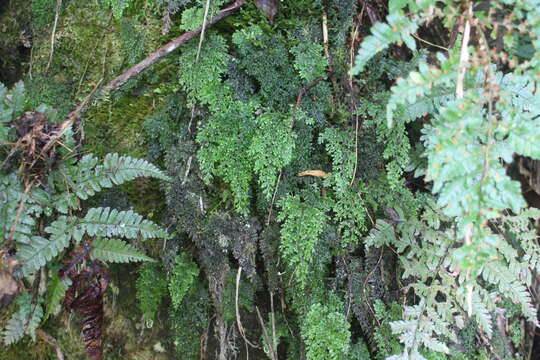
{"x":125,"y":168}
{"x":398,"y":28}
{"x":14,"y":330}
{"x":497,"y":273}
{"x":25,"y":321}
{"x":34,"y":320}
{"x":109,"y":223}
{"x":56,"y":291}
{"x":117,"y":251}
{"x":40,"y":251}
{"x":382,"y":234}
{"x":89,"y":178}
{"x":421,"y":84}
{"x":482,"y":314}
{"x":17,"y":210}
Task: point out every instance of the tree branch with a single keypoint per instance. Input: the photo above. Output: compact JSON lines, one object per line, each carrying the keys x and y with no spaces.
{"x":156,"y":56}
{"x":168,"y":48}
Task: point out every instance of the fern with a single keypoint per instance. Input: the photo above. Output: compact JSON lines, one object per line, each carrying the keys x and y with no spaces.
{"x":303,"y":223}
{"x":116,"y":251}
{"x":107,"y":222}
{"x":25,"y":321}
{"x":309,"y":60}
{"x":87,"y":178}
{"x":272,"y":148}
{"x":18,"y":210}
{"x":11,"y":105}
{"x":326,"y":333}
{"x":118,"y":6}
{"x":14,"y":330}
{"x":496,"y":273}
{"x":182,"y":276}
{"x":398,"y":28}
{"x":40,"y":251}
{"x":151,"y":287}
{"x":55,"y":294}
{"x":423,"y":83}
{"x":482,"y":314}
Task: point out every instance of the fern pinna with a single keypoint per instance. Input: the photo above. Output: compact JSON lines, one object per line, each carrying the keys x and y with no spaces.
{"x":41,"y":223}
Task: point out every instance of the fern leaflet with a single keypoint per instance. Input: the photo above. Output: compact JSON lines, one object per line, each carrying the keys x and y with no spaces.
{"x":108,"y":223}
{"x":88,"y":178}
{"x":117,"y":251}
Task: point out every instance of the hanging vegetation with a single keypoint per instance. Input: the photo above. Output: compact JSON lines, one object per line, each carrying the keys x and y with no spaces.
{"x":333,"y":180}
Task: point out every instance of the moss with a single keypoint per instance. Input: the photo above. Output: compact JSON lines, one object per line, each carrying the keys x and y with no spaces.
{"x":118,"y":126}
{"x":43,"y":12}
{"x":28,"y":350}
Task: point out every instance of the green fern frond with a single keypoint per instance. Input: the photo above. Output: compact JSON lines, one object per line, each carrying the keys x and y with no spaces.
{"x":125,"y":168}
{"x":398,"y":28}
{"x":14,"y":330}
{"x":34,"y":321}
{"x":17,"y":210}
{"x":117,"y":251}
{"x":181,"y":279}
{"x":482,"y":314}
{"x":40,"y":251}
{"x":382,"y":234}
{"x":109,"y":223}
{"x":25,"y":321}
{"x":56,"y":291}
{"x":11,"y":103}
{"x":88,"y":178}
{"x":421,"y":84}
{"x":497,"y":273}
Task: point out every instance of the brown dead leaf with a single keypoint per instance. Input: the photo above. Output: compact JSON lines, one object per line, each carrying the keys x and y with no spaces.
{"x":316,"y":173}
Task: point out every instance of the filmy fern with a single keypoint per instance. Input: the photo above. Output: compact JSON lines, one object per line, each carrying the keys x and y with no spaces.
{"x":55,"y":294}
{"x":303,"y":223}
{"x":182,"y":276}
{"x":151,"y":287}
{"x":326,"y":333}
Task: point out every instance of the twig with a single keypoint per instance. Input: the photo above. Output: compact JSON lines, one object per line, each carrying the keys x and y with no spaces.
{"x":238,"y":322}
{"x":470,"y":287}
{"x":464,"y":56}
{"x":304,"y":91}
{"x":273,"y":318}
{"x":354,"y":34}
{"x":265,"y":335}
{"x":19,"y":210}
{"x":364,"y":286}
{"x":487,"y":343}
{"x":430,"y":43}
{"x":355,"y":150}
{"x":325,"y":35}
{"x":188,"y":168}
{"x":66,"y":125}
{"x":169,"y":48}
{"x":51,"y":341}
{"x":30,"y":66}
{"x":206,"y":8}
{"x":53,"y":35}
{"x":92,"y":58}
